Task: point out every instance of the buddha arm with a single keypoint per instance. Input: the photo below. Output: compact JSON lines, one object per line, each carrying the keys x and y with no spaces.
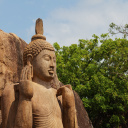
{"x":69,"y":118}
{"x":68,"y":107}
{"x":24,"y":111}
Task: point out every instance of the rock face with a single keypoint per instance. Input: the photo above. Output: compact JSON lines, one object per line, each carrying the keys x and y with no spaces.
{"x":11,"y":64}
{"x":82,"y":115}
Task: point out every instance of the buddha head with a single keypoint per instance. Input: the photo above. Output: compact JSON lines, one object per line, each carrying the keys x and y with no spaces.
{"x":40,"y":54}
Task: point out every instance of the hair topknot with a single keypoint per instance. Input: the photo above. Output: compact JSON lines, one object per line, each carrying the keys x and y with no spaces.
{"x":38,"y":42}
{"x":35,"y":47}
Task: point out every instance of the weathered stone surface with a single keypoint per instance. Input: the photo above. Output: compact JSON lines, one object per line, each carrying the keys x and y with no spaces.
{"x":11,"y":63}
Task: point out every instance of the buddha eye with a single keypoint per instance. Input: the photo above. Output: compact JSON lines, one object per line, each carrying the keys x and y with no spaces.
{"x":46,"y":57}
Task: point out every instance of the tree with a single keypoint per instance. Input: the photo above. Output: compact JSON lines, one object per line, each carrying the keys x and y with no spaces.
{"x":116,"y":29}
{"x":98,"y":70}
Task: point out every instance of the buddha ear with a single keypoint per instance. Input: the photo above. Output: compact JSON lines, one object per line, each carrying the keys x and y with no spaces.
{"x":30,"y":67}
{"x":29,"y":59}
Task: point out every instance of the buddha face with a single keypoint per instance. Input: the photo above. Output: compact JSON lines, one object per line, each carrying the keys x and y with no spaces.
{"x":44,"y":65}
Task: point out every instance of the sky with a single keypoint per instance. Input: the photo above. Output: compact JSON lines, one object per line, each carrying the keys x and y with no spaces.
{"x":65,"y":21}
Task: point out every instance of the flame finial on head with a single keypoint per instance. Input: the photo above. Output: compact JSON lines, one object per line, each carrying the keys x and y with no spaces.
{"x":39,"y":30}
{"x":39,"y":26}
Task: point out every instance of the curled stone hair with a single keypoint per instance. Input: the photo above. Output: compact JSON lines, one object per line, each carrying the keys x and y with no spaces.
{"x":38,"y":42}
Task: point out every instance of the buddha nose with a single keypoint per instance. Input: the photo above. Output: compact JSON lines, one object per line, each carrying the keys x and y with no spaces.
{"x":52,"y":64}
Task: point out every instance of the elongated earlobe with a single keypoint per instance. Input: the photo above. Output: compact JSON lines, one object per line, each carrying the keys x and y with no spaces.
{"x":31,"y":71}
{"x":29,"y":64}
{"x":29,"y":59}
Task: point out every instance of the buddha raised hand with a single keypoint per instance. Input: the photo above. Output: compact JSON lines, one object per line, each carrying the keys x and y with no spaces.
{"x":33,"y":103}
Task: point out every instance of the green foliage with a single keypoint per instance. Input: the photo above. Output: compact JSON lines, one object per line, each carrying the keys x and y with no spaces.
{"x":98,"y":70}
{"x":115,"y":29}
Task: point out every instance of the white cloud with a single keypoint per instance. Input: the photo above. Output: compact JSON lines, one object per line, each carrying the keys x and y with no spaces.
{"x":88,"y":17}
